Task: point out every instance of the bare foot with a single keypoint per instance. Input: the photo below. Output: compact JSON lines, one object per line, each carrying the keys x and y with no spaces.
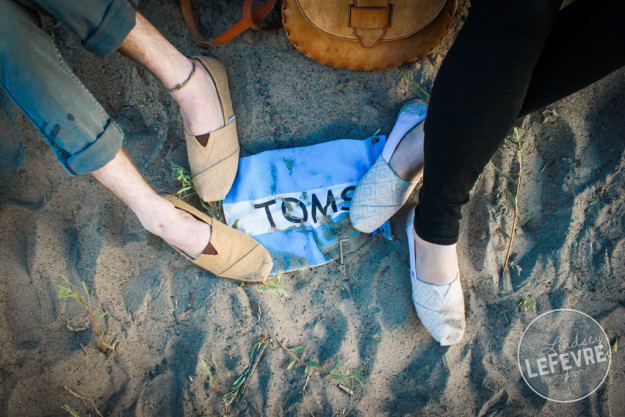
{"x":176,"y":227}
{"x":199,"y":103}
{"x":436,"y":264}
{"x":407,"y":160}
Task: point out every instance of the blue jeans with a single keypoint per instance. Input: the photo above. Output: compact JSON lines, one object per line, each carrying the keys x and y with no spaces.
{"x":79,"y":131}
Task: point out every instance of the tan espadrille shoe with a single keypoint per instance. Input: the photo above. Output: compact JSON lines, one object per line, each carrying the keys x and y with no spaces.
{"x":230,"y":252}
{"x":442,"y":315}
{"x":214,"y":156}
{"x":380,"y":193}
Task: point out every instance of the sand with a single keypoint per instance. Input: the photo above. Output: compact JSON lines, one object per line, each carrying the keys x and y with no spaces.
{"x":572,"y":255}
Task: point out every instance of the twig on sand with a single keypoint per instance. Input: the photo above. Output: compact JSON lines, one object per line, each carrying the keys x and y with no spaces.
{"x":306,"y":383}
{"x":314,"y":365}
{"x":518,"y":220}
{"x":341,"y":241}
{"x":82,"y":397}
{"x":295,"y":358}
{"x":191,"y":301}
{"x":240,"y":385}
{"x":45,"y":375}
{"x":254,"y":365}
{"x":110,"y":268}
{"x":260,"y":314}
{"x":516,"y":203}
{"x":345,"y":389}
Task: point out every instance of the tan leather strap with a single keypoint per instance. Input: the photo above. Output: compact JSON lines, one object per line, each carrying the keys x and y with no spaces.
{"x":252,"y":17}
{"x":369,"y":17}
{"x":189,"y":19}
{"x":250,"y":20}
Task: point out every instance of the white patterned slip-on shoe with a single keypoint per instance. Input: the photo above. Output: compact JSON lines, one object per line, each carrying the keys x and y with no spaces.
{"x":380,"y":193}
{"x":442,"y":316}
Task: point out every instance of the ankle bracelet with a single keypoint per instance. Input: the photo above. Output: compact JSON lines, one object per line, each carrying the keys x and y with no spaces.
{"x":185,"y":82}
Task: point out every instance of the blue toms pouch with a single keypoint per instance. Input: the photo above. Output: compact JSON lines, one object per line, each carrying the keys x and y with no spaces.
{"x":295,"y":202}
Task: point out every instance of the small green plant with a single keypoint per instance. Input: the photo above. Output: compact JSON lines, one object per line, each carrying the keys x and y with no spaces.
{"x":232,"y":395}
{"x":207,"y":369}
{"x":526,"y":304}
{"x":237,"y":389}
{"x":275,"y":284}
{"x":516,"y":268}
{"x":183,"y":175}
{"x":70,"y":410}
{"x":240,"y":385}
{"x":518,"y":219}
{"x":336,"y":371}
{"x":421,"y":93}
{"x":69,"y":291}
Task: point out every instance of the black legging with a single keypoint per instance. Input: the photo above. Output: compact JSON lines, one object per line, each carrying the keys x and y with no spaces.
{"x":511,"y":57}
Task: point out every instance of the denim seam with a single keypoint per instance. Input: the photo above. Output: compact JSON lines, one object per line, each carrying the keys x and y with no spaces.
{"x":51,"y":142}
{"x":57,"y":149}
{"x":71,"y":74}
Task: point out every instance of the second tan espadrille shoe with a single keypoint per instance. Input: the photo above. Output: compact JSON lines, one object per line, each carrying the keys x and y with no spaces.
{"x":214,"y":156}
{"x":230,"y":252}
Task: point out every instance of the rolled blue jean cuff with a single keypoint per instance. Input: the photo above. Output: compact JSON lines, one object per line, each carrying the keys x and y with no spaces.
{"x":117,"y":22}
{"x":98,"y":153}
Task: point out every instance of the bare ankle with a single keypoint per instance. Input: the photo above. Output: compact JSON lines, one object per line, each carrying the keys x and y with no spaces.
{"x":176,"y":227}
{"x":436,"y":264}
{"x":153,"y":216}
{"x":180,"y":82}
{"x":199,"y":103}
{"x":407,"y":160}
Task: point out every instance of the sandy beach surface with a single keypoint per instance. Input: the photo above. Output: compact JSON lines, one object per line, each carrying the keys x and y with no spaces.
{"x":164,"y":314}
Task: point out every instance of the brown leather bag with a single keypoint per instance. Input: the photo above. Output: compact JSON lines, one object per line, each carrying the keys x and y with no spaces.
{"x":366,"y":34}
{"x":354,"y":34}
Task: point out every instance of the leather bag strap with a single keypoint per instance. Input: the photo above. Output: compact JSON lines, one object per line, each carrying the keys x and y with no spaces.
{"x":249,"y":20}
{"x":370,"y":19}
